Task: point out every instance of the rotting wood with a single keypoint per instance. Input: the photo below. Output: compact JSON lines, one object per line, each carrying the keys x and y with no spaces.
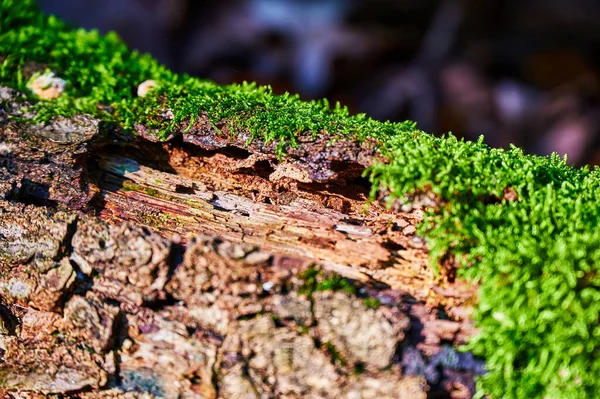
{"x":121,"y":257}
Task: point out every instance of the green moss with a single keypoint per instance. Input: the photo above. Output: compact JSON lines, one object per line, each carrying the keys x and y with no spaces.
{"x":336,"y":356}
{"x":304,"y":330}
{"x":159,"y":220}
{"x":336,"y":283}
{"x":100,"y":70}
{"x":371,"y":303}
{"x":129,"y":185}
{"x":314,"y":280}
{"x":309,"y":281}
{"x":537,"y":258}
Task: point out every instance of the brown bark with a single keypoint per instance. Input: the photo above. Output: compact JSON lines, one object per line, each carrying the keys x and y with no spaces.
{"x":204,"y":267}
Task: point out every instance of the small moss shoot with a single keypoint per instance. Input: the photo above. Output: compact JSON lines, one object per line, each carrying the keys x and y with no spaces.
{"x":313,"y":280}
{"x":536,"y":257}
{"x":335,"y":355}
{"x":371,"y":303}
{"x":336,"y":283}
{"x":309,"y":281}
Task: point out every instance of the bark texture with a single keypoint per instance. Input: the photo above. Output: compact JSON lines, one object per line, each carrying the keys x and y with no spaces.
{"x":203,"y":267}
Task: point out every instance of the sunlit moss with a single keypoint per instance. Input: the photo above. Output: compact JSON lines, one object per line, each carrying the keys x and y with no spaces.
{"x":100,"y":70}
{"x":371,"y":303}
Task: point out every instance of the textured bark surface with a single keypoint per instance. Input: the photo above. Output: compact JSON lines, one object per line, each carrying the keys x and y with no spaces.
{"x":202,"y":267}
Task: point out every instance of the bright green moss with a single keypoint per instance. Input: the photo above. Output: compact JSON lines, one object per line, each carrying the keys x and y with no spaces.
{"x":100,"y":70}
{"x":314,"y":280}
{"x":309,"y":281}
{"x":371,"y":303}
{"x":336,"y":283}
{"x":537,"y":258}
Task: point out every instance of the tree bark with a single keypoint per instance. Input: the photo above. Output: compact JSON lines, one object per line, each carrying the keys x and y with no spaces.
{"x":205,"y":267}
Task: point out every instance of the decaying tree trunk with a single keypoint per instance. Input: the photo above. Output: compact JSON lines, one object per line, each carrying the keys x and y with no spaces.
{"x":203,"y":267}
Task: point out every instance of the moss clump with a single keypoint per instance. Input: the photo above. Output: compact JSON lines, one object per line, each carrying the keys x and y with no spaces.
{"x":536,"y":256}
{"x":314,"y":280}
{"x":336,"y":283}
{"x":309,"y":281}
{"x":335,"y":355}
{"x":102,"y":76}
{"x":371,"y":303}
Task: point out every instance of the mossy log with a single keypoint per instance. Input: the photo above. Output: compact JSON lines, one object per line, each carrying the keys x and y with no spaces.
{"x":112,"y":137}
{"x":202,"y":267}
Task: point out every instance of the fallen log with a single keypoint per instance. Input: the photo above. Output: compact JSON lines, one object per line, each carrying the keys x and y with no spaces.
{"x":111,"y":164}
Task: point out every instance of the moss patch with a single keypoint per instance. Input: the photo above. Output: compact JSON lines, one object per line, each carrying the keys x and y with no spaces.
{"x":371,"y":303}
{"x":102,"y":76}
{"x":536,"y":252}
{"x":335,"y":355}
{"x":314,"y":280}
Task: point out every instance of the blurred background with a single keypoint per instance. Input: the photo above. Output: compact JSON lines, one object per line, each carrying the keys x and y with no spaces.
{"x":517,"y":71}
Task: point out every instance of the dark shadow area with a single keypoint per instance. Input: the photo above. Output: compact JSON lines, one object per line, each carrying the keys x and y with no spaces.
{"x":10,"y":321}
{"x":34,"y":193}
{"x":448,"y":372}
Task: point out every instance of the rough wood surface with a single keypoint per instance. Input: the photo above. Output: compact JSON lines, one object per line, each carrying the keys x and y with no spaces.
{"x":203,"y":267}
